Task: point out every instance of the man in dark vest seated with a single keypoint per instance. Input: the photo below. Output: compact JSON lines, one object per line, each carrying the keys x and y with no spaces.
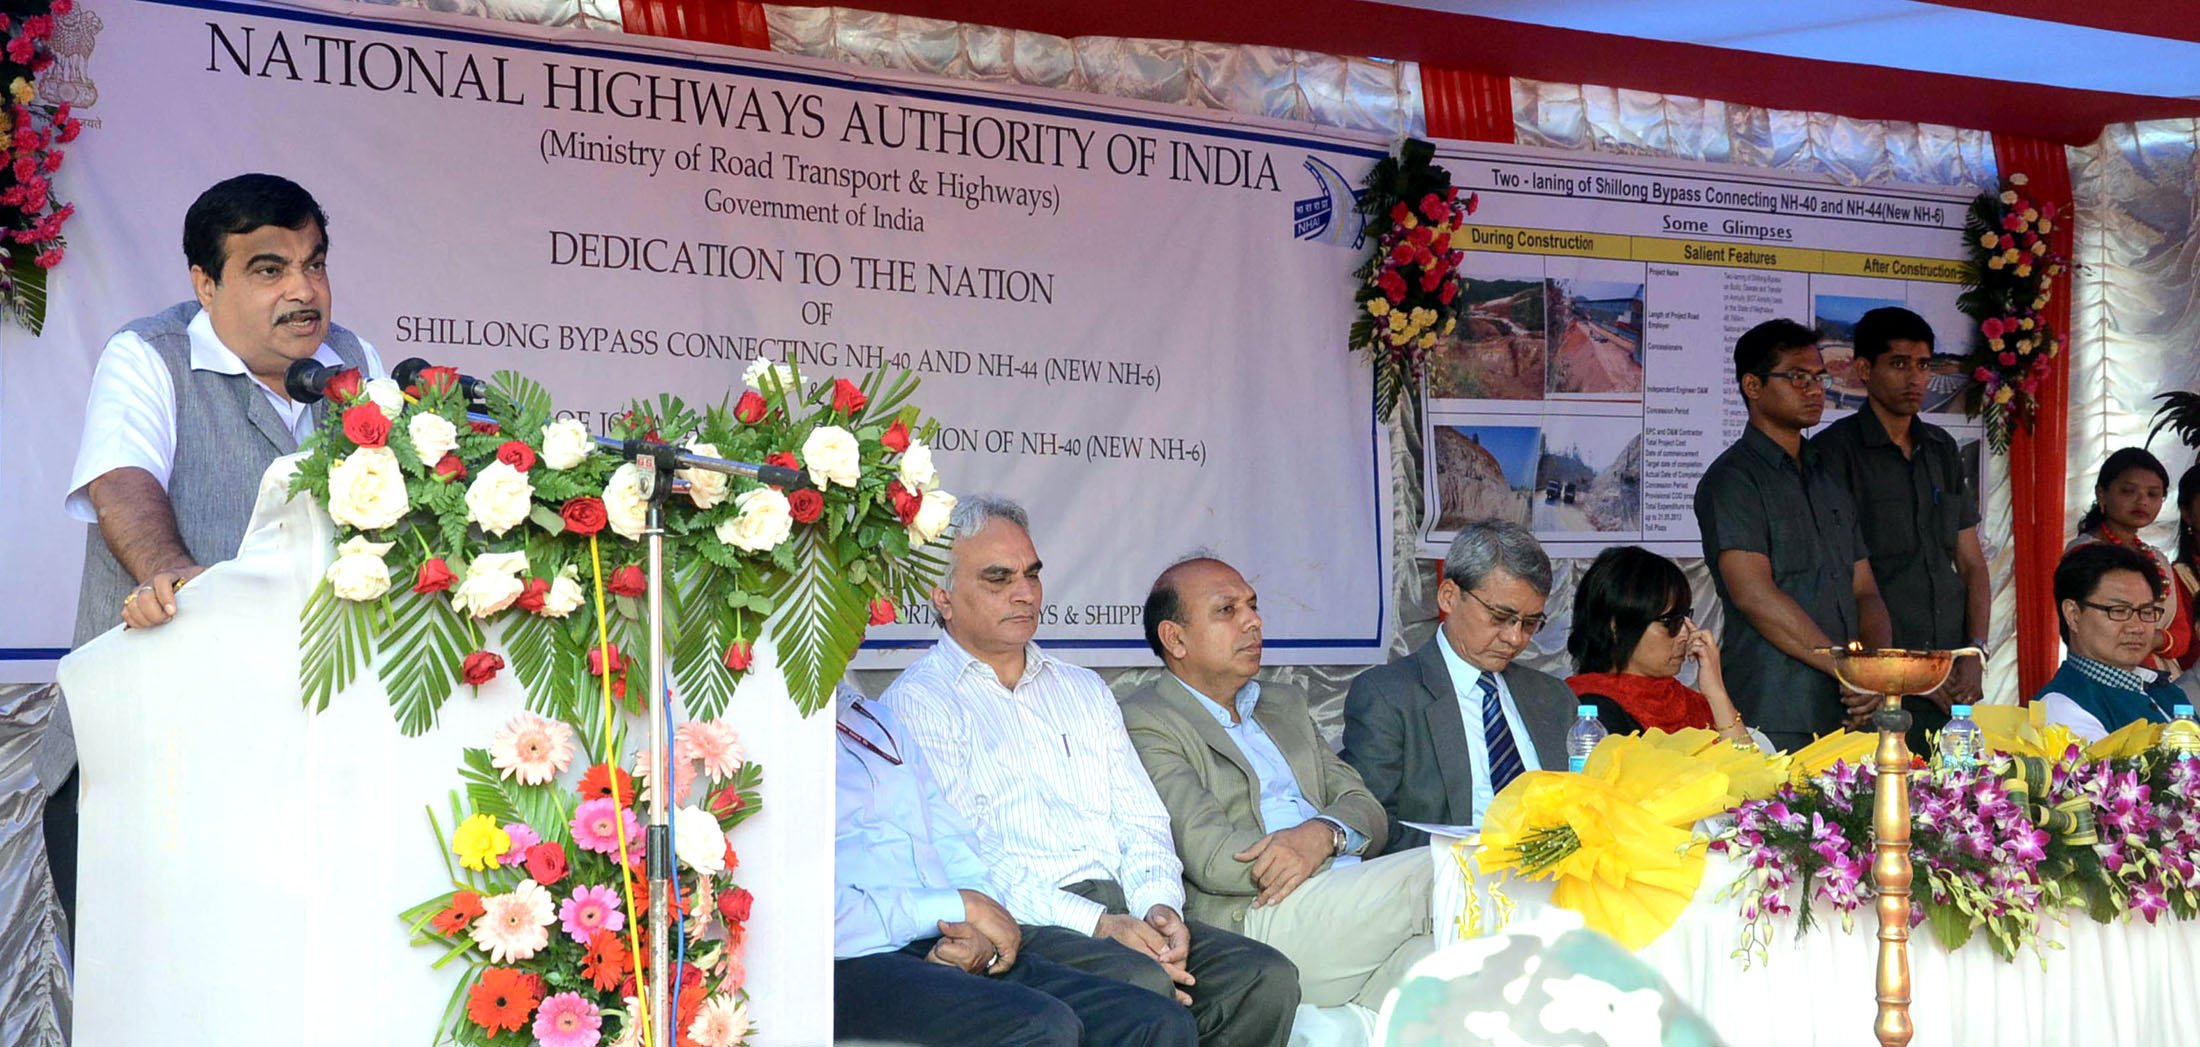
{"x":2105,"y":596}
{"x":186,"y":411}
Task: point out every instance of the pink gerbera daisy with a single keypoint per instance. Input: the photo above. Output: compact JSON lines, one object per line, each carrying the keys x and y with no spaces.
{"x":723,"y":1022}
{"x":514,"y":926}
{"x":532,"y":749}
{"x":566,"y":1020}
{"x":683,"y":776}
{"x":522,"y":838}
{"x":712,"y":742}
{"x":591,"y":909}
{"x":596,"y":827}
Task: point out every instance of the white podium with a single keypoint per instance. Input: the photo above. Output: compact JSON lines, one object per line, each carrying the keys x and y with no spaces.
{"x":244,"y":860}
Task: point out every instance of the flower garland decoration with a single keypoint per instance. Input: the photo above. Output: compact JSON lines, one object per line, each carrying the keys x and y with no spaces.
{"x":1409,"y":283}
{"x":31,"y":135}
{"x":450,"y":526}
{"x":548,"y":905}
{"x":2008,"y":283}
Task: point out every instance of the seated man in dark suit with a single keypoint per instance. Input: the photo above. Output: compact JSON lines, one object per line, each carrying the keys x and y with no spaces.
{"x":1437,"y":733}
{"x":1268,"y":821}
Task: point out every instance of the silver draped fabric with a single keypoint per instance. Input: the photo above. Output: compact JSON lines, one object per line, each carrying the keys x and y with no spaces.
{"x":578,"y":14}
{"x":34,"y":978}
{"x":2136,"y":314}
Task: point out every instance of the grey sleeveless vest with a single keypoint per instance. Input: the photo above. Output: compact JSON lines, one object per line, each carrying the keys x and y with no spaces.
{"x":226,"y":436}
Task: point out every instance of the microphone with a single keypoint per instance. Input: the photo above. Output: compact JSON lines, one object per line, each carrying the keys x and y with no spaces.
{"x":407,"y":375}
{"x":306,"y":381}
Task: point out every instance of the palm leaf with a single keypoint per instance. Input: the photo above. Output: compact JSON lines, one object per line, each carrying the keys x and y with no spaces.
{"x":28,"y":302}
{"x":540,"y":807}
{"x":706,"y":629}
{"x":2180,"y":414}
{"x":421,"y":652}
{"x":512,"y":393}
{"x":335,"y":637}
{"x":820,"y":621}
{"x":547,"y":663}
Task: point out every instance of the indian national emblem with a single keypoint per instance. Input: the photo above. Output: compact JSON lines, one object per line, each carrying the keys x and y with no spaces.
{"x":67,"y":82}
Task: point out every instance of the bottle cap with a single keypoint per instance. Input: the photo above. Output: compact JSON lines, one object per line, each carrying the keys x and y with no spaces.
{"x":2183,"y":710}
{"x":1959,"y":710}
{"x":1590,"y":711}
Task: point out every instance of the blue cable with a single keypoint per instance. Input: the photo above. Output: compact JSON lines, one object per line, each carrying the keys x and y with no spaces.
{"x":679,"y":918}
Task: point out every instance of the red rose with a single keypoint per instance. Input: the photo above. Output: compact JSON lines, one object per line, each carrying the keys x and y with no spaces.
{"x":365,"y":425}
{"x":847,"y":399}
{"x":1474,"y":200}
{"x":343,"y":387}
{"x":436,"y":379}
{"x":738,"y":655}
{"x":906,"y":502}
{"x":1432,"y":208}
{"x":596,"y":660}
{"x":785,"y":459}
{"x":1447,"y":292}
{"x":464,"y":908}
{"x":435,"y":576}
{"x":449,"y":467}
{"x":734,"y":905}
{"x":531,"y":595}
{"x":484,"y":428}
{"x":630,"y":580}
{"x":725,"y":802}
{"x":750,"y":408}
{"x":1399,"y":212}
{"x":480,"y":667}
{"x":882,"y":611}
{"x":546,"y":863}
{"x":517,"y":455}
{"x":896,"y":437}
{"x":805,"y":505}
{"x":583,"y":515}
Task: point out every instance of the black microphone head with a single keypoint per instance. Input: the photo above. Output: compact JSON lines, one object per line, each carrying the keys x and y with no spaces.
{"x":782,"y":476}
{"x":304,"y":379}
{"x":407,"y":372}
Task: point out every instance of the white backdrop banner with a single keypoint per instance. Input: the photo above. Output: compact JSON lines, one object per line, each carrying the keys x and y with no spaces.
{"x":1129,"y":318}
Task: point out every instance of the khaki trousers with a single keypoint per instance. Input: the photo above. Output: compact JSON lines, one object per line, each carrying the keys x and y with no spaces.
{"x":1353,"y":931}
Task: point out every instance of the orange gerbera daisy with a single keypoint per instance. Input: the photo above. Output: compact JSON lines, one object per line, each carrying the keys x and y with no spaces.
{"x":607,"y":962}
{"x":597,"y":783}
{"x":503,"y":999}
{"x":465,"y":907}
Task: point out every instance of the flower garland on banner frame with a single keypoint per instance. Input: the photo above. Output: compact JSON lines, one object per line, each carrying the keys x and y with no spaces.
{"x":449,"y":524}
{"x":548,"y":902}
{"x":33,"y":127}
{"x":1410,"y":281}
{"x":2008,"y":280}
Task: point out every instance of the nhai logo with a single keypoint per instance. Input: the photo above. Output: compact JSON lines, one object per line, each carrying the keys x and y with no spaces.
{"x":1332,"y":214}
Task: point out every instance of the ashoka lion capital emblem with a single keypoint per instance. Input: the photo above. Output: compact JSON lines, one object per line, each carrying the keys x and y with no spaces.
{"x":66,"y":82}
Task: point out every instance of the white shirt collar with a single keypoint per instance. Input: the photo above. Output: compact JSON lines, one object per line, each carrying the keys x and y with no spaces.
{"x":1464,"y":674}
{"x":961,"y":660}
{"x":210,"y":353}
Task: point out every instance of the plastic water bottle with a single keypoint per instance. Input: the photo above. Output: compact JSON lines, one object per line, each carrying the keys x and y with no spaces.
{"x":1582,"y":737}
{"x":1961,"y":742}
{"x":2181,"y":738}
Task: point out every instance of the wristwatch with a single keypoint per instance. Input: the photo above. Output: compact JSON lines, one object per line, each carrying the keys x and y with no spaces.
{"x":1337,"y":840}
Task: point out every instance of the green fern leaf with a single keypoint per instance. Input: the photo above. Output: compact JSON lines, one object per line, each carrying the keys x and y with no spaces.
{"x":336,"y":636}
{"x":820,"y":624}
{"x":420,"y":656}
{"x":547,"y":662}
{"x":706,"y":629}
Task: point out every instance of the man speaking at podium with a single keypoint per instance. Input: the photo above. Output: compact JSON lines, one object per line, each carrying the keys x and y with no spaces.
{"x":187,"y":410}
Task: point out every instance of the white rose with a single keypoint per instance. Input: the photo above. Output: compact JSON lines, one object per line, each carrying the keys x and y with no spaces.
{"x":565,"y":594}
{"x":626,"y":503}
{"x":566,"y":443}
{"x":433,"y":437}
{"x":366,"y":489}
{"x":359,"y":572}
{"x":765,"y":521}
{"x":931,"y":516}
{"x":698,"y":841}
{"x":386,"y":395}
{"x":917,"y":473}
{"x":754,"y":376}
{"x":833,"y":457}
{"x":499,"y":498}
{"x":705,"y":488}
{"x":492,"y":583}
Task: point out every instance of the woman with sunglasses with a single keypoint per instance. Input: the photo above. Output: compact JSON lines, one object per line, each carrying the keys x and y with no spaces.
{"x":2108,"y":600}
{"x":2127,"y":497}
{"x":1633,"y":630}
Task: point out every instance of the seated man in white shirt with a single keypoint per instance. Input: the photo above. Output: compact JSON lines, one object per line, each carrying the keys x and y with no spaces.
{"x":2106,"y":598}
{"x":1269,"y":823}
{"x":187,"y":410}
{"x":1031,"y":751}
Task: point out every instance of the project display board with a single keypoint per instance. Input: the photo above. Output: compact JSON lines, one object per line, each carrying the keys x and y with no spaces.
{"x":1591,"y":382}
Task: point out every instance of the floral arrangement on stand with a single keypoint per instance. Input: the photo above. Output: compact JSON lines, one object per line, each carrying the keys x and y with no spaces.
{"x":2044,"y":826}
{"x":2008,"y":283}
{"x":31,"y":135}
{"x":1411,"y":279}
{"x":548,"y":906}
{"x":450,"y":524}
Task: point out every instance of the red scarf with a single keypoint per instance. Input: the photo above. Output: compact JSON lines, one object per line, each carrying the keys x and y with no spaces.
{"x":1660,"y":702}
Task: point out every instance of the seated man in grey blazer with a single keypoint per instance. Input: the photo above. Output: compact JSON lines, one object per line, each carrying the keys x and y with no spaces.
{"x":1437,"y":733}
{"x":1269,"y":823}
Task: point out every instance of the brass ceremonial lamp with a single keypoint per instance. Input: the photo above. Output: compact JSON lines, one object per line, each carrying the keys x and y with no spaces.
{"x":1891,"y":674}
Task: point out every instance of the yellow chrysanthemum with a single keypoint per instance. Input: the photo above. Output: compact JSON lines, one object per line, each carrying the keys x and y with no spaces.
{"x":1988,"y":239}
{"x":2004,"y":394}
{"x":1995,"y":262}
{"x":2047,"y":225}
{"x":2019,"y":178}
{"x":20,"y":90}
{"x":479,"y":843}
{"x":1378,"y":306}
{"x":2008,"y":196}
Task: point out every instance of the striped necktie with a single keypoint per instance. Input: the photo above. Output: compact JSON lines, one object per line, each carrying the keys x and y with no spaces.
{"x":1504,"y":755}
